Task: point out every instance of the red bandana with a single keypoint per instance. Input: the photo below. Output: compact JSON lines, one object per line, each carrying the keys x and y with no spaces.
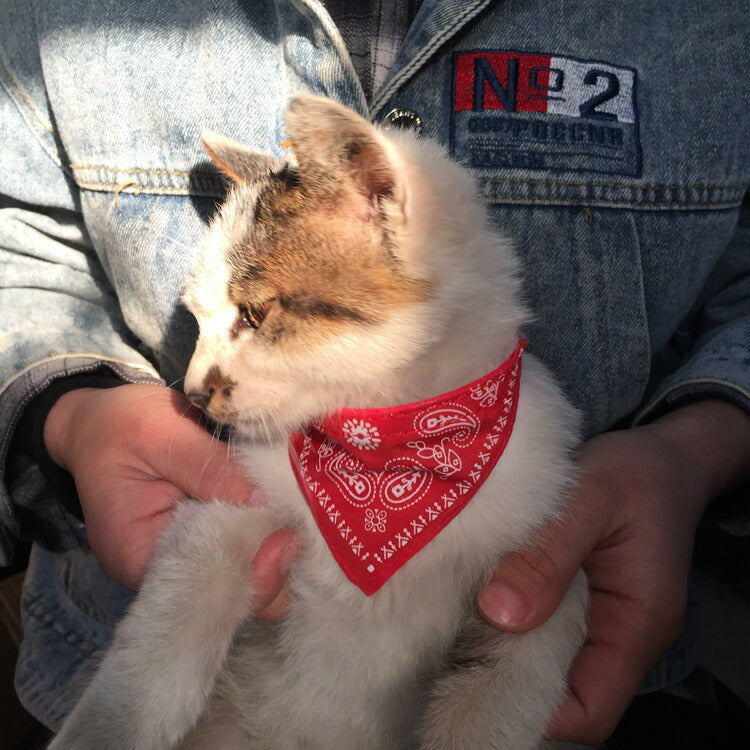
{"x":381,"y":483}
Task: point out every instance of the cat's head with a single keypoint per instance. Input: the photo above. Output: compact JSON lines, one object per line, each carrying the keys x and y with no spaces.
{"x":316,"y":286}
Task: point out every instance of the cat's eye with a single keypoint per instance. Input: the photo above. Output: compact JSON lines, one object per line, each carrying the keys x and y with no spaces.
{"x":252,"y":315}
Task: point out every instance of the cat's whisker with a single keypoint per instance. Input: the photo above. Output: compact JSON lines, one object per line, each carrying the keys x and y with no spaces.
{"x":175,"y":241}
{"x":186,"y":409}
{"x":215,"y":433}
{"x":226,"y":452}
{"x":264,"y":426}
{"x":231,"y":449}
{"x":276,"y":418}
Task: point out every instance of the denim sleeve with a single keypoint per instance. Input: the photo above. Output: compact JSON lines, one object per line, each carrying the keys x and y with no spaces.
{"x":709,"y":357}
{"x":60,"y":316}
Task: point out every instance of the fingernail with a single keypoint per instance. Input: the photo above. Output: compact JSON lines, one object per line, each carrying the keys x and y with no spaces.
{"x":501,"y":604}
{"x":288,"y":555}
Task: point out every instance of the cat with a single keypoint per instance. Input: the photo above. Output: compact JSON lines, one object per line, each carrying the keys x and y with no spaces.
{"x":353,"y":276}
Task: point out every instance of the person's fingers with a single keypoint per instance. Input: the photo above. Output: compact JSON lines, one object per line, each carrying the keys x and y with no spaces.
{"x":603,"y":681}
{"x":606,"y":673}
{"x":202,"y":466}
{"x":270,"y":567}
{"x":527,"y":586}
{"x":124,"y":541}
{"x":277,"y":609}
{"x":627,"y":633}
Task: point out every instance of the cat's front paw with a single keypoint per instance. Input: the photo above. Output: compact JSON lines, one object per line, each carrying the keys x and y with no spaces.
{"x":464,"y":718}
{"x":94,"y":732}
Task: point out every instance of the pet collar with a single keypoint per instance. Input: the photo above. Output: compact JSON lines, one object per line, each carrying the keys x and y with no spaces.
{"x":382,"y":483}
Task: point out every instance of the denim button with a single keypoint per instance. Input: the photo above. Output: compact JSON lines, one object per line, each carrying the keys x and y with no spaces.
{"x":403,"y":119}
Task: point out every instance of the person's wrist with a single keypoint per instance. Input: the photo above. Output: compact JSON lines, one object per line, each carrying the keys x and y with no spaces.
{"x":708,"y":443}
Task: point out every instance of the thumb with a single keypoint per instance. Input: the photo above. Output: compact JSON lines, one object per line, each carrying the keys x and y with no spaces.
{"x":211,"y":471}
{"x":528,"y":584}
{"x":199,"y":464}
{"x":270,"y":567}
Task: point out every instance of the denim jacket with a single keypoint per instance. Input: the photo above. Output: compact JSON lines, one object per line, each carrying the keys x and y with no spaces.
{"x":610,"y":141}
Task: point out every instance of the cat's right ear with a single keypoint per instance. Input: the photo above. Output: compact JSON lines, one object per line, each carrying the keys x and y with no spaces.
{"x":333,"y":144}
{"x":239,"y":163}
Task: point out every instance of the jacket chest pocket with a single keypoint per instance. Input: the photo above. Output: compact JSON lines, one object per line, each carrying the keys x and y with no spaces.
{"x":582,"y":278}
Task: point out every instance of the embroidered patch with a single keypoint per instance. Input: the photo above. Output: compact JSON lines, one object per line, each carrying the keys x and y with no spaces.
{"x":529,"y":111}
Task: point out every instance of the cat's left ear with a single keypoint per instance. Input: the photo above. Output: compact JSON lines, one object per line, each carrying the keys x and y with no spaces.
{"x":238,"y":162}
{"x":333,"y":144}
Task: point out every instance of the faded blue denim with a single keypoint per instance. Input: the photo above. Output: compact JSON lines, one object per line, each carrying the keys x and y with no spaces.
{"x":635,"y":248}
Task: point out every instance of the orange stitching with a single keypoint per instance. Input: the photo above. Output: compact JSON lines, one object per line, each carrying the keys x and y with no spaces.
{"x":145,"y":171}
{"x":137,"y":189}
{"x":129,"y":187}
{"x":124,"y":186}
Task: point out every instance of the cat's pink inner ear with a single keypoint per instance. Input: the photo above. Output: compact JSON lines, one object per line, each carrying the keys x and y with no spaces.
{"x":334,"y":145}
{"x":370,"y":167}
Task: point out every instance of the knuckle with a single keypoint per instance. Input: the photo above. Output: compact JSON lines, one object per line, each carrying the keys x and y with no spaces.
{"x":540,"y":570}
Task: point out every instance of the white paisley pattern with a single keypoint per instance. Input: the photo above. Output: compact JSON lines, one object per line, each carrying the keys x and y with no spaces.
{"x":382,"y":483}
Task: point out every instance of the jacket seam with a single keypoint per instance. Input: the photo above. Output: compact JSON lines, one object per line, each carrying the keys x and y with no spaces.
{"x":29,"y":112}
{"x":99,"y":357}
{"x":133,"y":187}
{"x":38,"y":609}
{"x":27,"y":100}
{"x":136,"y":188}
{"x":324,"y":17}
{"x":660,"y":399}
{"x":697,"y":186}
{"x":573,"y":201}
{"x":181,"y":173}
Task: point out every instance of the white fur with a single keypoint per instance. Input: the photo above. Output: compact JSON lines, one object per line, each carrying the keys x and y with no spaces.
{"x":344,"y":670}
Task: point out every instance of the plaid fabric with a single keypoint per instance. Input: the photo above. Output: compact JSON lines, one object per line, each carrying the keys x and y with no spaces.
{"x":373,"y":31}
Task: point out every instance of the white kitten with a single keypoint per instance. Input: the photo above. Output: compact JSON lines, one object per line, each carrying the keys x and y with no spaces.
{"x":362,"y":276}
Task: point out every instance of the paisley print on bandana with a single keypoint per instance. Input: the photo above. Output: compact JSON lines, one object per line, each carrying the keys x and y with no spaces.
{"x":382,"y":483}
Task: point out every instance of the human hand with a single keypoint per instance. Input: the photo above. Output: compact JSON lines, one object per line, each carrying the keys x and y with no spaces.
{"x":134,"y":451}
{"x":631,"y":526}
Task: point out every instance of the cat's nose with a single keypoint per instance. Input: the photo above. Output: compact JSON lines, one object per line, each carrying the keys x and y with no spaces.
{"x":215,"y":395}
{"x":200,"y":399}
